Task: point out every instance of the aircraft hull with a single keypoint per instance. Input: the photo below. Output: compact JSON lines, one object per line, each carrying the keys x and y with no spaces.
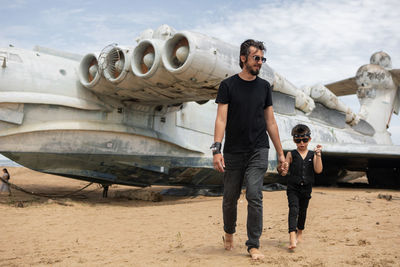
{"x":143,"y":115}
{"x":106,"y":157}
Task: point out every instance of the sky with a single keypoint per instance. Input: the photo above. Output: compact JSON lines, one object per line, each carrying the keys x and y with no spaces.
{"x":308,"y":41}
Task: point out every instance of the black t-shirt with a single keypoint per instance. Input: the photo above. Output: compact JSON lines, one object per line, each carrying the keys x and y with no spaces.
{"x":245,"y":127}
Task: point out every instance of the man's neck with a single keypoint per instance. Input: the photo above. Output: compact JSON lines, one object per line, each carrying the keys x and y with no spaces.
{"x":247,"y":76}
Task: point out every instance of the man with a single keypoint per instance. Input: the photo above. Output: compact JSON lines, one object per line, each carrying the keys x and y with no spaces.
{"x":245,"y":114}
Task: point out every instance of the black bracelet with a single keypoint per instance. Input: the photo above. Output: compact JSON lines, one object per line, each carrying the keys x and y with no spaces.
{"x":216,"y":148}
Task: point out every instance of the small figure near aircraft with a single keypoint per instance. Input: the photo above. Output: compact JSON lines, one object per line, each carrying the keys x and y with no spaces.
{"x":5,"y":187}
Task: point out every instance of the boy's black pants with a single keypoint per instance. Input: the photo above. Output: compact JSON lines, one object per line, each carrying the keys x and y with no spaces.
{"x":298,"y":198}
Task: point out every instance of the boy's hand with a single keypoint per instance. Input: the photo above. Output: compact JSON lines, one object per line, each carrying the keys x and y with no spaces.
{"x":318,"y":150}
{"x":283,"y":173}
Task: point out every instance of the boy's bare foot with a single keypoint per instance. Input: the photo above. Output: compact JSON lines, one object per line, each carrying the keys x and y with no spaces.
{"x":256,"y":254}
{"x":299,"y":235}
{"x":228,"y":241}
{"x":292,"y":240}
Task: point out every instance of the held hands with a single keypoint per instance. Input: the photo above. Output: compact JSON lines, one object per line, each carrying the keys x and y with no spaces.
{"x":284,"y":169}
{"x":219,"y":162}
{"x":283,"y":166}
{"x":318,"y":150}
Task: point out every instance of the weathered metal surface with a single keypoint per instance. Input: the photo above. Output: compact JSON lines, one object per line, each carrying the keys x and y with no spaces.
{"x":364,"y":127}
{"x":11,"y":113}
{"x":329,"y":116}
{"x":283,"y":103}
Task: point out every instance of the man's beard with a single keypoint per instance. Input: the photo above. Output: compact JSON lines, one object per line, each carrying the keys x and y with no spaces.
{"x":254,"y":72}
{"x":251,"y":70}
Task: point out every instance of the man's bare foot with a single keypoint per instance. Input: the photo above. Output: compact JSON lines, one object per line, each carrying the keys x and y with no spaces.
{"x":256,"y":254}
{"x":292,"y":240}
{"x":228,"y":241}
{"x":299,"y":235}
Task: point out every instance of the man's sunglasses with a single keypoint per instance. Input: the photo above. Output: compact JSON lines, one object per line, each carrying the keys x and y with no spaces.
{"x":304,"y":140}
{"x":258,"y":58}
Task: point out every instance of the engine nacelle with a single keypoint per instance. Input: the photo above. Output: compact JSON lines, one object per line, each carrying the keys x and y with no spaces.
{"x":374,"y":76}
{"x":382,"y":59}
{"x":116,"y":64}
{"x":199,"y":58}
{"x":90,"y":75}
{"x":324,"y":96}
{"x":146,"y":63}
{"x":303,"y":101}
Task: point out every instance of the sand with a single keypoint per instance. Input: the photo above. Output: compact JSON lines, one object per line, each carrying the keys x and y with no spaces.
{"x":345,"y":227}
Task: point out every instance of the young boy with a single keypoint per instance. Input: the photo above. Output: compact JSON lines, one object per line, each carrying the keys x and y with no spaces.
{"x":302,"y":165}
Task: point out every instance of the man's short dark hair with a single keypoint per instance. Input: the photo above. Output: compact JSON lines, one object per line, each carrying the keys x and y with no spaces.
{"x":245,"y":48}
{"x":301,"y":129}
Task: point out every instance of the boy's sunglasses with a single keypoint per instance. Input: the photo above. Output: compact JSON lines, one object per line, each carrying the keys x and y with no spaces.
{"x":304,"y":140}
{"x":258,"y":58}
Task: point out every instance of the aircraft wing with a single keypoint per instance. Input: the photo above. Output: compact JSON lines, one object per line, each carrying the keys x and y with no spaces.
{"x":349,"y":86}
{"x":186,"y":67}
{"x":395,"y":75}
{"x":343,"y":87}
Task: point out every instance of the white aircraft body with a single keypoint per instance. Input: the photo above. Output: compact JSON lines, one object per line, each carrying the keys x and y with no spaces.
{"x":145,"y":114}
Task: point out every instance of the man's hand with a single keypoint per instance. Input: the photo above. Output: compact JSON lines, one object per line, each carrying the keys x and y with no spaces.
{"x":283,"y":168}
{"x":218,"y":162}
{"x":282,"y":164}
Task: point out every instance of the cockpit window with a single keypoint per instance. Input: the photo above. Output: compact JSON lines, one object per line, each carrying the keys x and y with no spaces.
{"x":15,"y":57}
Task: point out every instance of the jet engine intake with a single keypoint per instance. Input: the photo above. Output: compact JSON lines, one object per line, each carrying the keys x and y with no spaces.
{"x":89,"y":71}
{"x":90,"y":75}
{"x":116,"y":64}
{"x":146,"y":63}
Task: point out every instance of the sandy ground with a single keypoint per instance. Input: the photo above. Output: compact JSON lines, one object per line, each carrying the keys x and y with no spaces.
{"x":345,"y":226}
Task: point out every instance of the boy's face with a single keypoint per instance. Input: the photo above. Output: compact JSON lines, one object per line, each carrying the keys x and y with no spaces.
{"x":302,"y":141}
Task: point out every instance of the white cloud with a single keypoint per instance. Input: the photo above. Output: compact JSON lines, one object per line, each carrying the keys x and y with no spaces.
{"x":313,"y":41}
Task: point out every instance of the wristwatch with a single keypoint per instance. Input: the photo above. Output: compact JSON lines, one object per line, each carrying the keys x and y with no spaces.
{"x":216,"y":148}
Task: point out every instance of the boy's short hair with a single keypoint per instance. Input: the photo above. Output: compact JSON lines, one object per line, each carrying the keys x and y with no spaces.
{"x":301,"y":130}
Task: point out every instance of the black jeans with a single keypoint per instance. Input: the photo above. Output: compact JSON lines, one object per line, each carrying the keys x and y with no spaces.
{"x":249,"y":168}
{"x":298,"y":198}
